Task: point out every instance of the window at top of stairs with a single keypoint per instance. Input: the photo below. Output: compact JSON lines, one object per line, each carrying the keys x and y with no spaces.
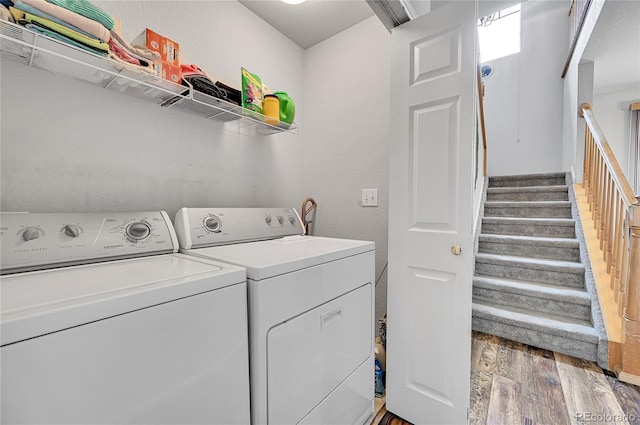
{"x":499,"y":34}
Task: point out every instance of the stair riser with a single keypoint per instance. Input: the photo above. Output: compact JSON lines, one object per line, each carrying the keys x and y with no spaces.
{"x":571,"y":347}
{"x":530,"y":250}
{"x":527,"y":212}
{"x":552,"y":277}
{"x":537,"y":181}
{"x":529,"y":230}
{"x":528,"y":196}
{"x":536,"y":305}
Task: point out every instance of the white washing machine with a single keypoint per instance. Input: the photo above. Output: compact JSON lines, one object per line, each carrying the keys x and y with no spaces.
{"x":310,"y":312}
{"x":103,"y":322}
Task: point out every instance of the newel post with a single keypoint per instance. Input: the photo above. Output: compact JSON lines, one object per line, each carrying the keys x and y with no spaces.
{"x":583,"y":106}
{"x":631,"y":356}
{"x":586,"y":177}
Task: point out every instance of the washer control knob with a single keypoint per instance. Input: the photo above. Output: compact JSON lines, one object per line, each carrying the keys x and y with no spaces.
{"x":71,"y":230}
{"x":267,"y":219}
{"x":280,"y":219}
{"x":138,"y":230}
{"x":30,"y":234}
{"x":292,"y":220}
{"x":212,"y":223}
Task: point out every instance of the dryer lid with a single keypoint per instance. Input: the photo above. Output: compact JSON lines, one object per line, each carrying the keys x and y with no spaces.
{"x":270,"y":258}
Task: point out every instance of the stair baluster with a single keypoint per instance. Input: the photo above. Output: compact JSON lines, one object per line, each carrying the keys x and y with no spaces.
{"x":616,"y":214}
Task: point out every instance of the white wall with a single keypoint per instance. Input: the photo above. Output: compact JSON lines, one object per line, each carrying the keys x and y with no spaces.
{"x":572,"y":155}
{"x":501,"y":111}
{"x":523,"y":98}
{"x":584,"y":95}
{"x":346,"y":136}
{"x":613,"y":48}
{"x":611,"y":109}
{"x":68,"y":146}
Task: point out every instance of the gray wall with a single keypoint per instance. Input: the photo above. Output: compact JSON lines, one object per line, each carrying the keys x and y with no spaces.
{"x":346,"y":137}
{"x":68,"y":146}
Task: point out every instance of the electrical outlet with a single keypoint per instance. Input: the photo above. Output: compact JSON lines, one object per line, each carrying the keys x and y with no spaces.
{"x":369,"y":197}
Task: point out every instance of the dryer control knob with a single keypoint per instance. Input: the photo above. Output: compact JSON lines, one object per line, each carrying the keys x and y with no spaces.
{"x":280,"y":219}
{"x":138,"y":231}
{"x":292,"y":220}
{"x":71,"y":230}
{"x":30,"y":234}
{"x":267,"y":219}
{"x":212,"y":223}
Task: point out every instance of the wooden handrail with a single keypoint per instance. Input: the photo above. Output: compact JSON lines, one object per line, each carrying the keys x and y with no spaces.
{"x":481,"y":112}
{"x":615,"y":210}
{"x":608,"y":155}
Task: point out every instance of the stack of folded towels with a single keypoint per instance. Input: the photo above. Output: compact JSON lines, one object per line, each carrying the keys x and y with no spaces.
{"x":83,"y":25}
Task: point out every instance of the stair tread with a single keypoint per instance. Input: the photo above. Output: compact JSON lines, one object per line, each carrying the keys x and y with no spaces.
{"x":541,"y":204}
{"x":524,"y":286}
{"x":530,"y":280}
{"x":528,"y":189}
{"x":581,"y":329}
{"x":546,"y":263}
{"x":538,"y":240}
{"x":528,"y":180}
{"x":537,"y":220}
{"x":559,"y":174}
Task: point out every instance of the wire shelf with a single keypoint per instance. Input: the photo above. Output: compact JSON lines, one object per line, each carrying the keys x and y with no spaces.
{"x":24,"y":46}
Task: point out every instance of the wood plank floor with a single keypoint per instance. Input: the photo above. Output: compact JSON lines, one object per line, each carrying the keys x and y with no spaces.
{"x":516,"y":384}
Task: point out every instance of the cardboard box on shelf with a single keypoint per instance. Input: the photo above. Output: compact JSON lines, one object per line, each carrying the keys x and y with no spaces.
{"x":168,"y":70}
{"x":169,"y":50}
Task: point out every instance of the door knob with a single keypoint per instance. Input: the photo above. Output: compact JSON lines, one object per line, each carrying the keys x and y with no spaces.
{"x":456,"y":250}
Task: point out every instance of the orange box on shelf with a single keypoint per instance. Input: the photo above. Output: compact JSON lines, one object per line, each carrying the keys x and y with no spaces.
{"x":172,"y":50}
{"x":169,"y":50}
{"x":168,"y":70}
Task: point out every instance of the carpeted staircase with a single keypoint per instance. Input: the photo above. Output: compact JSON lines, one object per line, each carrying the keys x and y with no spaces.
{"x":529,"y":283}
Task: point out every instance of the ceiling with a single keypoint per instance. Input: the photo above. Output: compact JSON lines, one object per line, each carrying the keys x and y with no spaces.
{"x":313,"y":21}
{"x":614,"y":46}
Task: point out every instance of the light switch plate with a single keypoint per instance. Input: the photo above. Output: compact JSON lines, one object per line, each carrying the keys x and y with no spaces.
{"x":369,"y":197}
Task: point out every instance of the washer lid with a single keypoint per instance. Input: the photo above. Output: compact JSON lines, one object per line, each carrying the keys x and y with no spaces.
{"x":36,"y":303}
{"x":270,"y":258}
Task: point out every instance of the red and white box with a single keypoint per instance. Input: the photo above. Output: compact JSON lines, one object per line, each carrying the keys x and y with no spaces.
{"x":169,"y":50}
{"x":168,"y":70}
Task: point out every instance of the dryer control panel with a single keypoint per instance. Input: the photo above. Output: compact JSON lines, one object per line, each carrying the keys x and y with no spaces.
{"x":45,"y":240}
{"x":200,"y":227}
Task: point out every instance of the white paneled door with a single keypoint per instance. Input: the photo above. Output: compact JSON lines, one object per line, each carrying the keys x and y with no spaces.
{"x":433,"y":131}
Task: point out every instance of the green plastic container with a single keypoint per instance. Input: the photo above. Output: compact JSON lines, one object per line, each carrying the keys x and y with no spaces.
{"x":287,"y":107}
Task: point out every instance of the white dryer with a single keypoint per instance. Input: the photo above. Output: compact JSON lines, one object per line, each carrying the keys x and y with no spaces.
{"x":310,"y":312}
{"x":103,"y":322}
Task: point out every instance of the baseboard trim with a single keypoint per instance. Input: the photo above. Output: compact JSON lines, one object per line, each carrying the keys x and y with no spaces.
{"x":629,"y":378}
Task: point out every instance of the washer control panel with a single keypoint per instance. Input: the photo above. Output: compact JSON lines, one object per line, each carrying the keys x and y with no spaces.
{"x":37,"y":241}
{"x":200,"y":227}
